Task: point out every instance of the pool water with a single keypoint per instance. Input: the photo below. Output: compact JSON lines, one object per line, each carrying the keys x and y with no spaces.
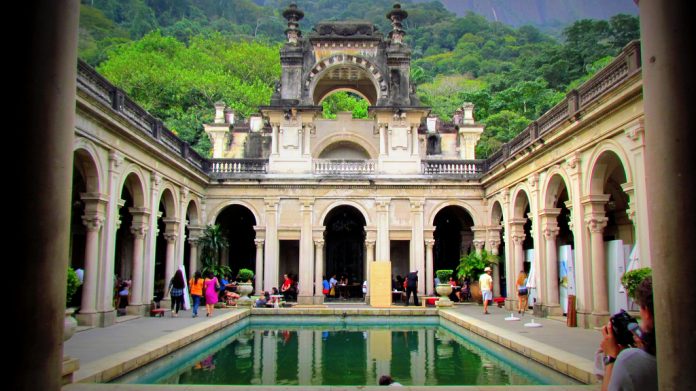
{"x":350,"y":351}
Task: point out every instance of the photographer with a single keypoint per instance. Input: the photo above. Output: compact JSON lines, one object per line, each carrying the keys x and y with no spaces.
{"x":632,"y":368}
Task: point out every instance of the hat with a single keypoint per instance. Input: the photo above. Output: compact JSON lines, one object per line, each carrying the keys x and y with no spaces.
{"x":487,"y":269}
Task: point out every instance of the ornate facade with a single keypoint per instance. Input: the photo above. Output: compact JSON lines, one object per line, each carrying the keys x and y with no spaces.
{"x":318,"y":197}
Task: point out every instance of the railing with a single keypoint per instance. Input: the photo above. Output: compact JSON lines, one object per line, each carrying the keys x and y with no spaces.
{"x":96,"y":86}
{"x":238,"y":166}
{"x":466,"y":168}
{"x":343,"y":167}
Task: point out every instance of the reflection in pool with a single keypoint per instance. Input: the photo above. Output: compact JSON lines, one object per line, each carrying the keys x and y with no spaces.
{"x":351,"y":351}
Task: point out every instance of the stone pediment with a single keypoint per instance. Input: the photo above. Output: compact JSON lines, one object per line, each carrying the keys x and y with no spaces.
{"x":349,"y":28}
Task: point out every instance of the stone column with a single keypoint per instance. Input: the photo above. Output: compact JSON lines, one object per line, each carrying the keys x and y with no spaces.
{"x":306,"y":272}
{"x":184,"y":197}
{"x":517,"y":235}
{"x":93,"y":219}
{"x":319,"y":270}
{"x":274,"y":139}
{"x":417,"y":242}
{"x":667,"y":33}
{"x":258,"y":273}
{"x":138,"y":229}
{"x":382,"y":140}
{"x":271,"y":277}
{"x":430,"y":283}
{"x":369,"y":258}
{"x":195,"y":233}
{"x":382,"y":206}
{"x":414,"y":141}
{"x":494,"y":244}
{"x":46,"y":117}
{"x":595,"y":220}
{"x":153,"y":233}
{"x":550,"y":230}
{"x":171,"y":235}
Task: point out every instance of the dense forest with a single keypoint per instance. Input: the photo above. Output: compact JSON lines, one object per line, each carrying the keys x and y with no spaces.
{"x":177,"y":57}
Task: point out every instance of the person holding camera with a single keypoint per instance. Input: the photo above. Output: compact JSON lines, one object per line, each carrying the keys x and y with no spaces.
{"x":625,"y":367}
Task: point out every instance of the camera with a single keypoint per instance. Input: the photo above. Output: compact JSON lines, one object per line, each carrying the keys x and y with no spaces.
{"x":619,"y":325}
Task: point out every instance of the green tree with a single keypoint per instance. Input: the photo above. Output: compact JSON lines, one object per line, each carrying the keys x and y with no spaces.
{"x":344,"y":101}
{"x":212,"y":243}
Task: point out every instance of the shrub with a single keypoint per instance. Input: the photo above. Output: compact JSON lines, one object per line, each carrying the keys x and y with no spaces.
{"x":443,"y":275}
{"x":631,"y":279}
{"x":245,"y":274}
{"x":472,"y":264}
{"x":73,"y":282}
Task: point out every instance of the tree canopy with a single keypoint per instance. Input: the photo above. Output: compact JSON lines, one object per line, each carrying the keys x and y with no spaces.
{"x":177,"y":58}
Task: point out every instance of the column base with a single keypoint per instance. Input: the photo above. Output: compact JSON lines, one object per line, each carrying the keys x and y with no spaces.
{"x":90,"y":319}
{"x":552,"y":310}
{"x":599,"y":319}
{"x":319,"y":300}
{"x":137,"y":309}
{"x":305,"y":300}
{"x":106,"y":318}
{"x":511,"y":304}
{"x":70,"y":366}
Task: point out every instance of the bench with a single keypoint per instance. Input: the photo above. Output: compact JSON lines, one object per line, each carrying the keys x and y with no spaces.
{"x":155,"y":312}
{"x":500,"y":301}
{"x":429,"y":300}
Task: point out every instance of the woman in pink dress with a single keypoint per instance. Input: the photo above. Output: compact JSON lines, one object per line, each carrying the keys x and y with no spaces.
{"x":210,"y":287}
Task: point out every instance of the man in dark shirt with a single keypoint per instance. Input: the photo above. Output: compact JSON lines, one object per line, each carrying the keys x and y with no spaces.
{"x":412,"y":286}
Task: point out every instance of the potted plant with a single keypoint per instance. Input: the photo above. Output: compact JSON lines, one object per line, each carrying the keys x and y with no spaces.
{"x":444,"y":289}
{"x":244,"y":288}
{"x":471,"y":266}
{"x":631,"y":279}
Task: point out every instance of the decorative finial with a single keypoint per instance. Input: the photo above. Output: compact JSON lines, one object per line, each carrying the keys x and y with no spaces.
{"x":293,"y":15}
{"x":397,"y":15}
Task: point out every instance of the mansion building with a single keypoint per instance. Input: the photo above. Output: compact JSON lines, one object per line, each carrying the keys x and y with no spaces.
{"x":297,"y":193}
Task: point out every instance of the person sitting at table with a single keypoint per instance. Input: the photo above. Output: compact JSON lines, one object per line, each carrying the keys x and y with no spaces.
{"x":456,"y":290}
{"x":287,"y":289}
{"x":261,"y":301}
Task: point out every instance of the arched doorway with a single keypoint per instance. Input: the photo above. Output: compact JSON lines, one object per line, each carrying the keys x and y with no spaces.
{"x":345,"y":243}
{"x":559,"y":242}
{"x":237,"y":223}
{"x":497,"y":247}
{"x":453,"y":237}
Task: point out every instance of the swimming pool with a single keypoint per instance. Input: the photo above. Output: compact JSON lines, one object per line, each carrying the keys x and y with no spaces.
{"x":330,"y":350}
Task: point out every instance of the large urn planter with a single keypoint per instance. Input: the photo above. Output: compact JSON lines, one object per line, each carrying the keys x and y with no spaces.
{"x":244,"y":289}
{"x":444,"y":290}
{"x":69,"y":324}
{"x":475,"y":292}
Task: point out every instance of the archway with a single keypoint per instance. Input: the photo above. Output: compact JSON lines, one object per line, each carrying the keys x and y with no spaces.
{"x":344,"y":150}
{"x":165,"y":217}
{"x":345,"y":73}
{"x":453,"y":237}
{"x":559,"y":246}
{"x":237,"y":223}
{"x":497,"y":246}
{"x":345,"y":243}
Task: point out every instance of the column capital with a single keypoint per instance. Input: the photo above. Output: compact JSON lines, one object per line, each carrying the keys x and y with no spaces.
{"x":518,"y":222}
{"x":184,"y":191}
{"x":573,"y":162}
{"x":307,"y":203}
{"x":382,"y":204}
{"x":93,"y":222}
{"x":139,"y":230}
{"x":170,"y":236}
{"x":370,"y":243}
{"x":550,"y":232}
{"x":596,"y":224}
{"x":156,"y":180}
{"x":550,"y":213}
{"x":518,"y":237}
{"x":478,"y":244}
{"x":636,"y":132}
{"x":319,"y":243}
{"x":417,"y":204}
{"x":533,"y":181}
{"x":429,"y":243}
{"x":493,"y":243}
{"x":259,"y":242}
{"x":115,"y":160}
{"x":271,"y":204}
{"x":505,"y":195}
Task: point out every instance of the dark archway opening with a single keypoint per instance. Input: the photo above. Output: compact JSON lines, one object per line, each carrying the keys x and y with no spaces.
{"x":345,"y":242}
{"x":237,"y":223}
{"x":453,"y":237}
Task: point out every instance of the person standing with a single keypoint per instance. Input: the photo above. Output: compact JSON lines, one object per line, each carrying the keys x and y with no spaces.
{"x":210,"y":286}
{"x":196,"y":285}
{"x":412,"y":287}
{"x":522,"y":292}
{"x":176,"y":292}
{"x":486,"y":284}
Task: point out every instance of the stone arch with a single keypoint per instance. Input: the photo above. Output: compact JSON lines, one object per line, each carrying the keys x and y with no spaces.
{"x":342,"y":137}
{"x":373,"y":89}
{"x":467,"y":207}
{"x":133,"y":180}
{"x":169,"y":199}
{"x":556,"y":178}
{"x":193,"y":209}
{"x":598,"y":169}
{"x":212,"y":217}
{"x":237,"y":224}
{"x":345,"y":89}
{"x":359,"y":207}
{"x":88,"y":164}
{"x":496,"y":212}
{"x":521,"y":203}
{"x":344,"y":234}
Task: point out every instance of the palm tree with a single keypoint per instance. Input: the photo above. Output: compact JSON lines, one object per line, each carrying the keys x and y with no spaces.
{"x":212,"y":243}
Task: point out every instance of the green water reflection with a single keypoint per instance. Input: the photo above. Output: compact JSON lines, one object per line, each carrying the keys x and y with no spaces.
{"x":334,"y":355}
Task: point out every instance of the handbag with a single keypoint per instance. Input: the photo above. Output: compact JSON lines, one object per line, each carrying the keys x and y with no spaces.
{"x":332,"y":292}
{"x":522,"y":291}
